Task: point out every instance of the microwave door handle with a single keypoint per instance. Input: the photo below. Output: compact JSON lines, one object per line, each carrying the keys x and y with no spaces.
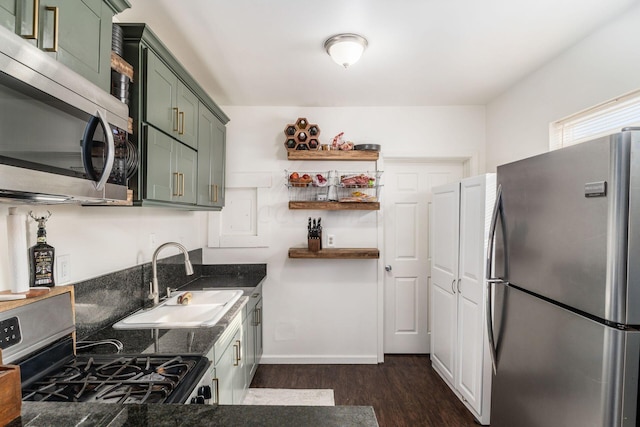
{"x":87,"y":146}
{"x":111,"y":152}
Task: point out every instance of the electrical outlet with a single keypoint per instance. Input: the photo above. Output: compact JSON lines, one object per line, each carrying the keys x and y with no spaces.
{"x":331,"y":241}
{"x":64,"y":268}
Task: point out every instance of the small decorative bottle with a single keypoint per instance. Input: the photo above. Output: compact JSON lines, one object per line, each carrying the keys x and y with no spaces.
{"x":41,"y":256}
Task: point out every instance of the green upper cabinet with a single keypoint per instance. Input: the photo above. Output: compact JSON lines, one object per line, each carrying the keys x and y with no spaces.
{"x":170,"y":105}
{"x":180,"y":132}
{"x":8,"y":14}
{"x":76,"y":32}
{"x":211,"y":156}
{"x":173,"y":175}
{"x":161,"y":95}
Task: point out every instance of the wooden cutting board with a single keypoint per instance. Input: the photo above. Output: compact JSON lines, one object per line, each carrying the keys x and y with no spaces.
{"x":10,"y":393}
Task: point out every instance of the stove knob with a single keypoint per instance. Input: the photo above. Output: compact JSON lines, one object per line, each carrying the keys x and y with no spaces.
{"x":198,"y":400}
{"x":205,"y":391}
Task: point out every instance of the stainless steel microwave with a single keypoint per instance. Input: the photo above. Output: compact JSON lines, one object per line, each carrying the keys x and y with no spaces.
{"x":61,"y":137}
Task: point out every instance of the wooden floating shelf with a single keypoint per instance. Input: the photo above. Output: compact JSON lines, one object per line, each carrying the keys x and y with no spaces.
{"x":332,"y":155}
{"x":336,"y":253}
{"x":336,"y":206}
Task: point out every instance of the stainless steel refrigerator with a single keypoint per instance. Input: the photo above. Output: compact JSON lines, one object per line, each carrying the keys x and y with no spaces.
{"x":565,"y":286}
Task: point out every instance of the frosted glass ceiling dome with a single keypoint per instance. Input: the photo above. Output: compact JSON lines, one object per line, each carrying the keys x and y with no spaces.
{"x":345,"y":49}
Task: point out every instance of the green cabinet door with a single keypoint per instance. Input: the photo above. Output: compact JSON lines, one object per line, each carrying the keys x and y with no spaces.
{"x":8,"y":14}
{"x":171,"y":169}
{"x":186,"y":168}
{"x":211,"y":152}
{"x":75,"y":32}
{"x":160,"y":166}
{"x":257,"y":337}
{"x":226,"y":369}
{"x":239,"y":374}
{"x":218,"y":148}
{"x":187,"y":115}
{"x":161,"y":93}
{"x":250,"y":344}
{"x":170,"y":105}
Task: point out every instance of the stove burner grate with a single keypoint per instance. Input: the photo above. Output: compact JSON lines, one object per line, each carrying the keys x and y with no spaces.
{"x":133,"y":379}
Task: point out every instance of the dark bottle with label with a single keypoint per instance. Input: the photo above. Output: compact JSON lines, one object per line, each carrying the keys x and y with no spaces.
{"x":41,"y":257}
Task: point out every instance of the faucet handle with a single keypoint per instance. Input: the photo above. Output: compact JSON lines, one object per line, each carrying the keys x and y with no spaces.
{"x":151,"y":294}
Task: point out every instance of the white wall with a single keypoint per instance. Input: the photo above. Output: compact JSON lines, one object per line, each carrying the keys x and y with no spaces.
{"x":101,"y":240}
{"x":604,"y":65}
{"x":326,"y":311}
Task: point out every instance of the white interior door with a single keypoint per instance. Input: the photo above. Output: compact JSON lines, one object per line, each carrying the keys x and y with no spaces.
{"x":406,"y":197}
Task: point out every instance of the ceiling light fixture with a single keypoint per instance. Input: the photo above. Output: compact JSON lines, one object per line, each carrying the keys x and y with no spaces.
{"x":345,"y":49}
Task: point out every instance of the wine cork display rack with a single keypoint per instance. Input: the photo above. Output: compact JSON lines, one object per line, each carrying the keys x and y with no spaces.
{"x":302,"y":135}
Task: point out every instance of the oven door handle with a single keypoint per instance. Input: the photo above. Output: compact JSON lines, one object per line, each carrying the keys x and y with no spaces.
{"x":87,"y":146}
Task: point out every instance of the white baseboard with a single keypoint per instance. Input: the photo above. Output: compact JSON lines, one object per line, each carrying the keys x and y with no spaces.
{"x":318,"y":360}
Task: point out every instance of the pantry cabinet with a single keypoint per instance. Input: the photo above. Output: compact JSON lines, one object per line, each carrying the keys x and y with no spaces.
{"x":461,"y":213}
{"x":165,"y":97}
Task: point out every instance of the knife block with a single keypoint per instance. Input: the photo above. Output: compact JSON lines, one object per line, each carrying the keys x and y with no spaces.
{"x":314,"y":245}
{"x":10,"y":393}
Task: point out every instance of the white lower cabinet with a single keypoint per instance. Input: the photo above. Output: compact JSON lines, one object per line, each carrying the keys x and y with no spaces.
{"x":460,"y":219}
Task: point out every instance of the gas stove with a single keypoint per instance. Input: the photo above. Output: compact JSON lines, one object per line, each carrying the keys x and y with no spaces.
{"x":50,"y":371}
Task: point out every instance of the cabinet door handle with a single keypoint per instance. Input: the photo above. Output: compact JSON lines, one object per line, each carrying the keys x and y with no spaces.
{"x":259,"y":312}
{"x":235,"y":356}
{"x":34,"y":22}
{"x":176,"y":181}
{"x":182,"y":188}
{"x":55,"y":11}
{"x":181,"y":131}
{"x":215,"y":193}
{"x":239,"y":349}
{"x":453,"y":286}
{"x":217,"y":389}
{"x":175,"y":121}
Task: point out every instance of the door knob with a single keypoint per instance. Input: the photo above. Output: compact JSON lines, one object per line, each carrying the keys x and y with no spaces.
{"x":387,"y":267}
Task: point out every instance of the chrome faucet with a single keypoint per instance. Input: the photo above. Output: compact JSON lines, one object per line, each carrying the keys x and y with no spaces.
{"x":154,"y":292}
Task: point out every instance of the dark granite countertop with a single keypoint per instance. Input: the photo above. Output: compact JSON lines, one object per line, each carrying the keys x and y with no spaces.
{"x":171,"y":415}
{"x":184,"y":341}
{"x":176,"y":341}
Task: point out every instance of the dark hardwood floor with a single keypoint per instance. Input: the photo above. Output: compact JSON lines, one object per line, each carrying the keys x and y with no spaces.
{"x":404,"y":390}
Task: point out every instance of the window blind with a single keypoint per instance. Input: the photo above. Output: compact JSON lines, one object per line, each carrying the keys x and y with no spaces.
{"x":604,"y":119}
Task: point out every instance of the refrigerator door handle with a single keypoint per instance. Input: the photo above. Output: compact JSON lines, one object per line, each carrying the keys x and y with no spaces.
{"x":490,"y":280}
{"x":489,"y":324}
{"x":497,"y":208}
